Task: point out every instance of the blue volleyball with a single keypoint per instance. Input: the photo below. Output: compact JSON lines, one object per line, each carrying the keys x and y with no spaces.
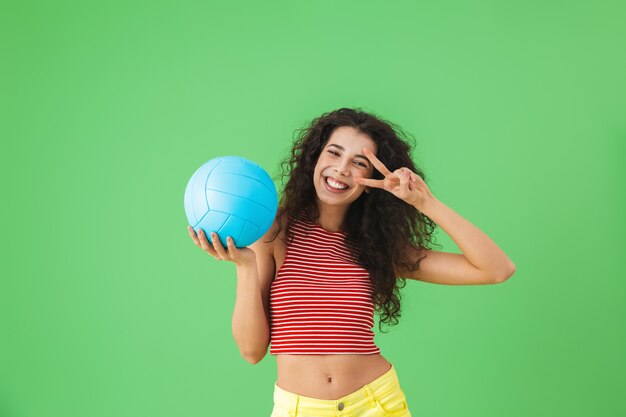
{"x":231,"y":196}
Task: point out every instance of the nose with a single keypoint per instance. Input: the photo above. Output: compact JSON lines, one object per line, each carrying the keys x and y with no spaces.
{"x":342,"y":167}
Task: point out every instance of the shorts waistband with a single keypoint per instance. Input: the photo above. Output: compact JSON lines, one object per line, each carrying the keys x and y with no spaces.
{"x":368,"y":394}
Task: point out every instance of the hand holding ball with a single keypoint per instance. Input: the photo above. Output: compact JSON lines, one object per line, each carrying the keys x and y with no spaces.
{"x":231,"y":196}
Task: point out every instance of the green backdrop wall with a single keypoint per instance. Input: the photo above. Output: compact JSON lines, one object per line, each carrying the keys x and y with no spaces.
{"x":109,"y":310}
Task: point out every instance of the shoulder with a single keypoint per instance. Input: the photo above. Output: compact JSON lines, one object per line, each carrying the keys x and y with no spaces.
{"x":266,"y":244}
{"x":266,"y":251}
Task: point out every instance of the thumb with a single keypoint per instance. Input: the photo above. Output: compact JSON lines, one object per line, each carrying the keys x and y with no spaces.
{"x":404,"y":179}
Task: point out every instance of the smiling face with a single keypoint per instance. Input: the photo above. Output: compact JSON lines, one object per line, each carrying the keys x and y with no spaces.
{"x":339,"y":163}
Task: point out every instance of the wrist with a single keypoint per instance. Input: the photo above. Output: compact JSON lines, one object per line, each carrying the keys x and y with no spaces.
{"x":247,"y":264}
{"x":428,"y":205}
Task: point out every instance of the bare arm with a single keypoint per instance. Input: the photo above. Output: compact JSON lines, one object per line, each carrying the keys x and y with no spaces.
{"x":478,"y":249}
{"x":482,"y":261}
{"x":251,"y":328}
{"x":255,"y":270}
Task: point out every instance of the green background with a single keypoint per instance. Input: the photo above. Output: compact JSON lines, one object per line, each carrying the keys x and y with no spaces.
{"x":107,"y":307}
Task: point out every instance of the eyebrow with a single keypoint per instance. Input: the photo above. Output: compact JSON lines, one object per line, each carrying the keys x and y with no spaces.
{"x":342,"y":148}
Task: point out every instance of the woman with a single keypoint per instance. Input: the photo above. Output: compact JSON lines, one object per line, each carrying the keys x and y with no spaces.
{"x":354,"y":222}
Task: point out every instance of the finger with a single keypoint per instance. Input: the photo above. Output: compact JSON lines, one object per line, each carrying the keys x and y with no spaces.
{"x":232,"y":249}
{"x":376,"y":162}
{"x":410,"y":182}
{"x":370,"y":182}
{"x":217,"y":244}
{"x":416,"y":178}
{"x":192,"y":233}
{"x":205,"y":244}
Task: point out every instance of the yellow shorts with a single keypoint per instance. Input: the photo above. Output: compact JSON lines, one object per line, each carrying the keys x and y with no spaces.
{"x":382,"y":397}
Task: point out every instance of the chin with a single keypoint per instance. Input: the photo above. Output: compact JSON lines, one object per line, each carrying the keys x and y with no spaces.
{"x":344,"y":200}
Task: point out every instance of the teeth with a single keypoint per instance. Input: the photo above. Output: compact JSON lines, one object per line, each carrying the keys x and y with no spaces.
{"x":335,"y":184}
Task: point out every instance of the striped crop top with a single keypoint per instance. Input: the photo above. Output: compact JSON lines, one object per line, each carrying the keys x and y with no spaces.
{"x":320,"y":299}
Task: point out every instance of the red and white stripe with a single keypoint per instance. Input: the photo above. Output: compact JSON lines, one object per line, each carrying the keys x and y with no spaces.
{"x":321,"y":299}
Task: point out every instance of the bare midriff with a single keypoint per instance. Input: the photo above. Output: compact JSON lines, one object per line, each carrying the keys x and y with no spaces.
{"x":328,"y":377}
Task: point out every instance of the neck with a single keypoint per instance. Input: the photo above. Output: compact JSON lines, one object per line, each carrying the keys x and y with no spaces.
{"x":331,"y":218}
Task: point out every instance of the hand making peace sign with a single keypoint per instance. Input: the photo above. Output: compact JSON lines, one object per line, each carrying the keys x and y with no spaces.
{"x":403,"y":183}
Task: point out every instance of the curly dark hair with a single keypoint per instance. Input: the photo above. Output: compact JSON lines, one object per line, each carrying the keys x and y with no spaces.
{"x":379,"y":225}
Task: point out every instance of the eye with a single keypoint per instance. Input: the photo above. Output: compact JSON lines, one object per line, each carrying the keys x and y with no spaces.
{"x":362,"y":164}
{"x":333,"y":152}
